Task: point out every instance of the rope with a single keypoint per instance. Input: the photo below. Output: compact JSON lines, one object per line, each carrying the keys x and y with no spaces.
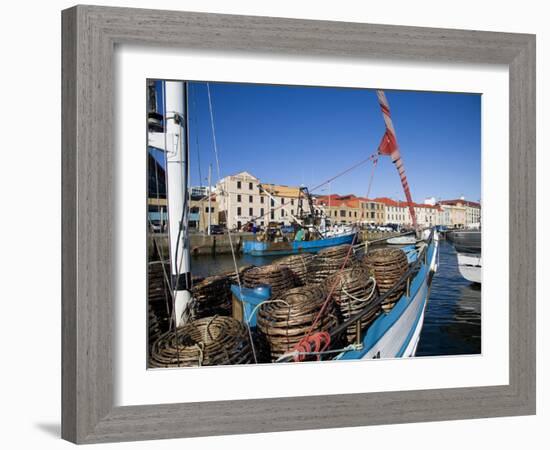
{"x":266,"y":302}
{"x":365,"y":299}
{"x":314,"y":344}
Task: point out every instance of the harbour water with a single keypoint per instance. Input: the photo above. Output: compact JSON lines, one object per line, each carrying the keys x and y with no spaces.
{"x":452,"y":322}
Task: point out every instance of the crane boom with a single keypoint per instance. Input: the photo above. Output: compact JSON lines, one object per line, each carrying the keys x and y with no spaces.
{"x":388,"y":146}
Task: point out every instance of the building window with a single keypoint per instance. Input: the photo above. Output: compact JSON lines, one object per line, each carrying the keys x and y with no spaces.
{"x":272,"y":214}
{"x":292,"y":211}
{"x":239,"y":211}
{"x":272,"y":202}
{"x":238,"y":184}
{"x":342,"y":213}
{"x":209,"y":210}
{"x":250,"y":199}
{"x":261,"y":212}
{"x":282,"y":212}
{"x":292,"y":202}
{"x":239,"y":225}
{"x":238,"y":197}
{"x":349,"y":213}
{"x":250,"y":212}
{"x":262,"y":200}
{"x":355,"y":213}
{"x":250,"y":186}
{"x":282,"y":201}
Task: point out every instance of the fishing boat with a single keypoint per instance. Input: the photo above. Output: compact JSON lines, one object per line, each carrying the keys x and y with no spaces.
{"x":393,"y":334}
{"x":312,"y":224}
{"x":260,"y":248}
{"x":383,"y":293}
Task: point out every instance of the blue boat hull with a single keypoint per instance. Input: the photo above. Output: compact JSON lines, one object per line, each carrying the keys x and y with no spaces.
{"x":256,"y":248}
{"x":395,"y":334}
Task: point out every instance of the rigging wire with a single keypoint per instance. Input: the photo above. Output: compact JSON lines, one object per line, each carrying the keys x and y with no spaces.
{"x":344,"y":264}
{"x":216,"y":152}
{"x":372,"y":157}
{"x":197,"y":135}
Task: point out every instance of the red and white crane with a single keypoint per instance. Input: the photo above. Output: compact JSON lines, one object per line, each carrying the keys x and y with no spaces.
{"x":388,"y":146}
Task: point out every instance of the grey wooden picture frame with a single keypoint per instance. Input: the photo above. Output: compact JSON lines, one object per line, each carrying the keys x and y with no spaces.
{"x":90,"y":34}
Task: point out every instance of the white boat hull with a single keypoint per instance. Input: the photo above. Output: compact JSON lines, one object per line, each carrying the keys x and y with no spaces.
{"x":469,"y":266}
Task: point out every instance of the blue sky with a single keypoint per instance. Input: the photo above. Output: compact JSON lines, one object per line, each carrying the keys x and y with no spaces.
{"x":304,"y":135}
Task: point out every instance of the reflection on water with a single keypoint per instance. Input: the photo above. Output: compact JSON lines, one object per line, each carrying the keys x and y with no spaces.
{"x":452,"y":323}
{"x":204,"y":266}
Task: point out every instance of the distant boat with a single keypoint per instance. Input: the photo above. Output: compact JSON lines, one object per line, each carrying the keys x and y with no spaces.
{"x":469,"y":266}
{"x":262,"y":248}
{"x":466,"y":241}
{"x":467,"y":244}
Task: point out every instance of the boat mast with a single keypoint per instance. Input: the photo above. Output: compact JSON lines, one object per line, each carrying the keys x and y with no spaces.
{"x":177,"y":174}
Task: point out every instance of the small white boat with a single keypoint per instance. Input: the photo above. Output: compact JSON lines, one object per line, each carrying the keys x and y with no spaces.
{"x":402,"y":240}
{"x":469,"y":266}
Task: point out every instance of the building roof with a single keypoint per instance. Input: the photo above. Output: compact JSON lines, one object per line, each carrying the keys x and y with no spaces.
{"x":243,"y":174}
{"x":460,"y":201}
{"x":279,"y":190}
{"x":350,"y":200}
{"x":403,"y":204}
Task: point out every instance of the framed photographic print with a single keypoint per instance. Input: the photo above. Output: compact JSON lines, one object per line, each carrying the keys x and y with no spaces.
{"x":277,"y":224}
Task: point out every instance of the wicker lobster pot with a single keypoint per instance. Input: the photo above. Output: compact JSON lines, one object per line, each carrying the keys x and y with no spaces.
{"x":388,"y":265}
{"x":300,"y":266}
{"x":330,"y":260}
{"x":353,"y":290}
{"x":208,"y":341}
{"x":212,"y":296}
{"x":287,"y":319}
{"x":280,"y":278}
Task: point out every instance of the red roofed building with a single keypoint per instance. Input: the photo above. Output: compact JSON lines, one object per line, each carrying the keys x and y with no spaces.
{"x":397,"y":212}
{"x":340,"y":208}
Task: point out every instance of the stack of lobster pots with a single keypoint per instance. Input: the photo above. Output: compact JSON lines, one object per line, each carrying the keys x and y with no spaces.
{"x":288,"y":318}
{"x":280,"y":278}
{"x":209,"y":341}
{"x":158,"y":298}
{"x":329,"y":261}
{"x":353,"y":290}
{"x":388,"y":265}
{"x":211,"y":296}
{"x":300,"y":266}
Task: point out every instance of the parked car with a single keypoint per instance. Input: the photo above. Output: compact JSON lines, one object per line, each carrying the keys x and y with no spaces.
{"x":216,"y":229}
